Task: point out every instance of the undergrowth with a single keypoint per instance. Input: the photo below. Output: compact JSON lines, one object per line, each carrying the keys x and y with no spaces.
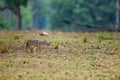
{"x":105,"y":36}
{"x":4,"y":46}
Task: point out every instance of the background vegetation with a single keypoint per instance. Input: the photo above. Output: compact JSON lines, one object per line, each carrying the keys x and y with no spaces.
{"x":44,"y":14}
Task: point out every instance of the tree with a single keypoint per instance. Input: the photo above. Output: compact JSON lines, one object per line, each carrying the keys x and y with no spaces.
{"x":14,"y":6}
{"x":96,"y":12}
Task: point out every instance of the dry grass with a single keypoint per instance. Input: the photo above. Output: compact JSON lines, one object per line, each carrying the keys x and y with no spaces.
{"x":4,"y":46}
{"x":78,"y":56}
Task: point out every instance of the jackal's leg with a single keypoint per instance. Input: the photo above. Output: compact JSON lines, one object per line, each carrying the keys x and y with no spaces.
{"x":33,"y":50}
{"x":40,"y":48}
{"x":28,"y":50}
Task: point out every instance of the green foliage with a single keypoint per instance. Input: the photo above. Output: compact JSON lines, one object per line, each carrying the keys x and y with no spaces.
{"x":14,"y":7}
{"x":51,"y":13}
{"x":83,"y":11}
{"x":27,"y":18}
{"x":14,"y":3}
{"x":2,"y":24}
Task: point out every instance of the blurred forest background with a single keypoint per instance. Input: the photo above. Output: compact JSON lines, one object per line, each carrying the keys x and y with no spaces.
{"x":54,"y":14}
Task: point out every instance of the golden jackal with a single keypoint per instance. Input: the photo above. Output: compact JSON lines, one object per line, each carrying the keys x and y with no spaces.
{"x":32,"y":45}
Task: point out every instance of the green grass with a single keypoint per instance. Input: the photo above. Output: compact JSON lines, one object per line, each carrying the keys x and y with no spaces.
{"x":105,"y":36}
{"x":75,"y":58}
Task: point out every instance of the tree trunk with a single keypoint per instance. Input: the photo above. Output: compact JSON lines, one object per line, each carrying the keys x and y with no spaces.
{"x":19,"y":18}
{"x":117,"y":15}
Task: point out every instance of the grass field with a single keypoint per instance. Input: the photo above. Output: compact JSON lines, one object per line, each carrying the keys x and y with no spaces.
{"x":70,"y":56}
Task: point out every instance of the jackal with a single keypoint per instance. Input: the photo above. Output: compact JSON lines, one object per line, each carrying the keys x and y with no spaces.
{"x":33,"y":45}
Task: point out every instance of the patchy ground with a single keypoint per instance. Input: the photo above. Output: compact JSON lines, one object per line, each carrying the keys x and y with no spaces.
{"x":70,"y":56}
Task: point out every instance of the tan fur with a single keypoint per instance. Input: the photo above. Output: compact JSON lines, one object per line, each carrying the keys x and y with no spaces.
{"x":32,"y":45}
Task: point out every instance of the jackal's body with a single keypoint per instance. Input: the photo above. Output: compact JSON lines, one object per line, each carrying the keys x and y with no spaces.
{"x":32,"y":45}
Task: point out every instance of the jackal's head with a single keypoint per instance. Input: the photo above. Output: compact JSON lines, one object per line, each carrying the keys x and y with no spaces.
{"x":45,"y":43}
